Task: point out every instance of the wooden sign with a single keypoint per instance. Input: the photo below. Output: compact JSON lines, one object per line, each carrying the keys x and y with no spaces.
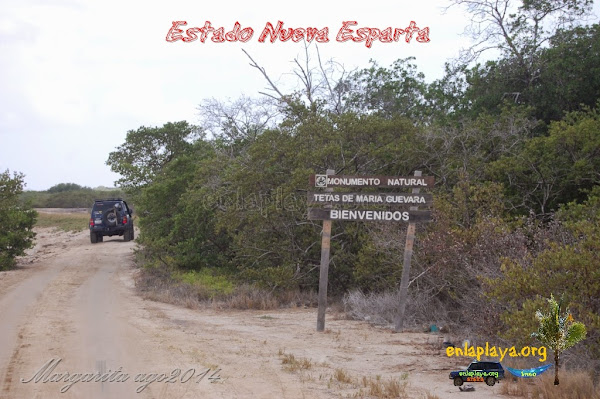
{"x":397,"y":199}
{"x":323,"y":181}
{"x":369,"y":215}
{"x":327,"y":198}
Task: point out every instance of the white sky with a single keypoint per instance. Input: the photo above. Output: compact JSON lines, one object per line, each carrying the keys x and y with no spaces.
{"x":75,"y":75}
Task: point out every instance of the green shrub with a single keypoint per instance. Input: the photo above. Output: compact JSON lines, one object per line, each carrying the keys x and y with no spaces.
{"x":207,"y":282}
{"x":17,"y":221}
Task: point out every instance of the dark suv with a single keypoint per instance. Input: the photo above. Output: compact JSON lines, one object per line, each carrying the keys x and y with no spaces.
{"x":111,"y":217}
{"x":490,"y":372}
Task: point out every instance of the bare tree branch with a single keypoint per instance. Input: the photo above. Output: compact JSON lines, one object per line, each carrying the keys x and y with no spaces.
{"x":519,"y":29}
{"x":317,"y":83}
{"x":266,"y":76}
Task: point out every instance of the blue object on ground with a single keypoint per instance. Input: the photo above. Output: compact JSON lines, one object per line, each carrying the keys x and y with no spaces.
{"x":529,"y":373}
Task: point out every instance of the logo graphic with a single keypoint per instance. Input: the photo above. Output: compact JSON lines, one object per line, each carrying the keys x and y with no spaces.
{"x":528,"y":373}
{"x":320,"y":180}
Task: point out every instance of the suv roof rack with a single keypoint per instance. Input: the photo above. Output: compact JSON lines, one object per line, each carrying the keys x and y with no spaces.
{"x":108,"y":199}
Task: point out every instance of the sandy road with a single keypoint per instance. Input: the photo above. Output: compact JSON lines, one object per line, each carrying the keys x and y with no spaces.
{"x":72,"y":308}
{"x":66,"y":309}
{"x":69,"y":310}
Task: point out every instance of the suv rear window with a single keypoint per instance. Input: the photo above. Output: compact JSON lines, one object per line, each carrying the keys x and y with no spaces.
{"x":100,"y":208}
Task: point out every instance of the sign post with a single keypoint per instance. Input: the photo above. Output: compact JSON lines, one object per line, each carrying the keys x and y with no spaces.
{"x":324,"y":270}
{"x":408,"y":250}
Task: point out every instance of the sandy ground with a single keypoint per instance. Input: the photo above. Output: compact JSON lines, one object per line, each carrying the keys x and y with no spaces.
{"x":71,"y":307}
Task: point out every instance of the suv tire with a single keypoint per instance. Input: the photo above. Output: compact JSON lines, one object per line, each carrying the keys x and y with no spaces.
{"x":490,"y":381}
{"x":93,"y":237}
{"x":458,"y":381}
{"x":110,"y":218}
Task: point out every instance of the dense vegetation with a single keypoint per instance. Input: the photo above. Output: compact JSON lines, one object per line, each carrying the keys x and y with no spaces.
{"x":514,"y":145}
{"x":16,"y":221}
{"x":68,"y":195}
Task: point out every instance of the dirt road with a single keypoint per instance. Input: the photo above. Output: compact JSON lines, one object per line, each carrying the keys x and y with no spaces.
{"x":71,"y":308}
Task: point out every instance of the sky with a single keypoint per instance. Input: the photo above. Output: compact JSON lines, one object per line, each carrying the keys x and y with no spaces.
{"x":75,"y":75}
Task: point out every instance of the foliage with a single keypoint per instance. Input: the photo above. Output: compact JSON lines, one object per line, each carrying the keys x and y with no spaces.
{"x":570,"y":76}
{"x":65,"y":187}
{"x":76,"y":198}
{"x":221,"y":209}
{"x":464,"y":149}
{"x":570,"y":265}
{"x":399,"y":90}
{"x":207,"y":282}
{"x":565,"y":76}
{"x":518,"y":32}
{"x":466,"y":241}
{"x":177,"y":231}
{"x":557,"y":330}
{"x":16,"y":221}
{"x":147,"y":150}
{"x":554,"y":169}
{"x":267,"y":219}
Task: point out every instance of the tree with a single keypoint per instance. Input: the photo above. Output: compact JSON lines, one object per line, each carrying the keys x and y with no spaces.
{"x":553,"y":170}
{"x":177,"y":215}
{"x":62,"y":187}
{"x":518,"y":31}
{"x":16,"y":221}
{"x":566,"y":76}
{"x":147,"y":150}
{"x":243,"y":118}
{"x":463,"y":149}
{"x":565,"y":258}
{"x":234,"y":125}
{"x":570,"y":75}
{"x":321,"y":86}
{"x":399,"y":90}
{"x":558,"y":330}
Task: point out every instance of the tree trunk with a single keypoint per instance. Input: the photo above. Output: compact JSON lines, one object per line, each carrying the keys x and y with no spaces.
{"x":555,"y":367}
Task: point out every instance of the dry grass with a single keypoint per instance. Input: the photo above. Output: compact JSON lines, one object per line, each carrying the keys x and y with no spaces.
{"x":573,"y":385}
{"x":372,"y":387}
{"x":292,"y":364}
{"x":248,"y":297}
{"x":158,"y":284}
{"x":341,"y":375}
{"x":516,"y":387}
{"x":74,"y":222}
{"x":383,"y":388}
{"x":380,"y":308}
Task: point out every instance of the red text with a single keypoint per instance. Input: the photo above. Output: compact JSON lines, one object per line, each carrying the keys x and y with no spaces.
{"x":387,"y":35}
{"x":308,"y":34}
{"x":217,"y":35}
